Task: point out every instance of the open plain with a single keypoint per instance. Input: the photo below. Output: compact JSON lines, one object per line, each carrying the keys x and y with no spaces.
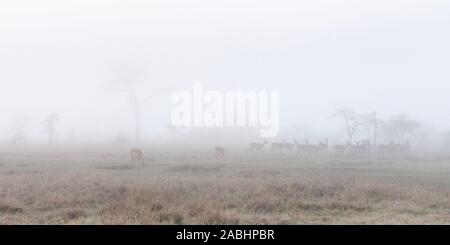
{"x":105,"y":187}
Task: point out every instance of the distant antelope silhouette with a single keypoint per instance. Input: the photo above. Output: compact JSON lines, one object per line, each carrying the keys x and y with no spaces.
{"x":256,"y":146}
{"x":341,"y":149}
{"x":220,"y":152}
{"x":288,"y":146}
{"x":283,"y":146}
{"x":302,"y":149}
{"x":276,"y":147}
{"x":137,"y":155}
{"x":394,"y":149}
{"x":361,"y":148}
{"x":309,"y":149}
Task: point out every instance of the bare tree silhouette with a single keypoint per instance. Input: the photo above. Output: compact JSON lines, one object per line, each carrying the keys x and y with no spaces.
{"x":127,"y":82}
{"x":19,"y":128}
{"x":399,"y":127}
{"x":371,"y":123}
{"x":50,"y":126}
{"x":352,"y":122}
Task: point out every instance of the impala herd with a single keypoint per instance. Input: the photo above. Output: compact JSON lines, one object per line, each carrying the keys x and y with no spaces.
{"x":361,"y":148}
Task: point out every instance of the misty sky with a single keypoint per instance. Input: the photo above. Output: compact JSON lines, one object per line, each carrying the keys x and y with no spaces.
{"x":392,"y":56}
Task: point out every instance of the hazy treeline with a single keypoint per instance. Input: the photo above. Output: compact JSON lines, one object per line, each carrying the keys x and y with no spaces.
{"x":347,"y":127}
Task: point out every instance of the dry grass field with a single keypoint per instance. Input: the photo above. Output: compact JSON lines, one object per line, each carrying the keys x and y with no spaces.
{"x":196,"y":188}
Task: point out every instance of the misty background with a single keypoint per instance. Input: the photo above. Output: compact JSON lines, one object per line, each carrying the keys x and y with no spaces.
{"x":64,"y":57}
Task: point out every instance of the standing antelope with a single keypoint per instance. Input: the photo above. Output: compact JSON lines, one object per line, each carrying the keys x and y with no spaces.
{"x":308,"y":149}
{"x":283,"y":145}
{"x":256,"y":146}
{"x":302,"y":149}
{"x":394,"y":149}
{"x":361,"y":148}
{"x":136,"y":155}
{"x":288,"y":146}
{"x":220,"y":152}
{"x":276,"y":147}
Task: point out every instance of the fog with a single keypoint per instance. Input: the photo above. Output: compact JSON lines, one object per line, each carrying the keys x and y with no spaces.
{"x":66,"y":57}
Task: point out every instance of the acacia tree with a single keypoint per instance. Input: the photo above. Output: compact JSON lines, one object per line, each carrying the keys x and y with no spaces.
{"x":136,"y":107}
{"x":370,"y":123}
{"x":399,"y":127}
{"x":351,"y":120}
{"x":50,"y":126}
{"x":127,"y":83}
{"x":19,"y":128}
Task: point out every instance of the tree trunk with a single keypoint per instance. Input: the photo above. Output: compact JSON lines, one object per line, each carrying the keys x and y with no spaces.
{"x":350,"y":135}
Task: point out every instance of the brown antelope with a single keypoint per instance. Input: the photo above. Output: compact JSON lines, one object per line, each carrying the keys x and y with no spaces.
{"x":288,"y":146}
{"x":394,"y":149}
{"x":302,"y":149}
{"x":361,"y":148}
{"x":276,"y":147}
{"x":137,"y":155}
{"x":308,"y":149}
{"x":256,"y":146}
{"x":220,"y":152}
{"x":283,"y":145}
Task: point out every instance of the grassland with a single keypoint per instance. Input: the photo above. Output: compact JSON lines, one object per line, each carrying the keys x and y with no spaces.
{"x":195,"y":188}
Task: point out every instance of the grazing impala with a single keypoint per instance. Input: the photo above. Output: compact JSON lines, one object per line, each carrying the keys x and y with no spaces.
{"x":220,"y":152}
{"x":137,"y":155}
{"x":361,"y":148}
{"x":283,"y":146}
{"x":276,"y":147}
{"x":308,"y":149}
{"x":302,"y":149}
{"x":394,"y":149}
{"x":288,"y":146}
{"x":256,"y":146}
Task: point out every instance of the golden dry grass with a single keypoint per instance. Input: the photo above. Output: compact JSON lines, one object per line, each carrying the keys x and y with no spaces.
{"x":240,"y":189}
